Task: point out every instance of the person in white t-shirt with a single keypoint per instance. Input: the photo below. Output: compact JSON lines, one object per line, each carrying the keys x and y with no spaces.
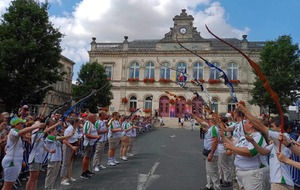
{"x":101,"y":126}
{"x":114,"y":138}
{"x":38,"y":153}
{"x":210,"y":145}
{"x":53,"y":144}
{"x":90,"y":135}
{"x":69,"y":148}
{"x":12,"y":161}
{"x":280,"y":175}
{"x":250,"y":171}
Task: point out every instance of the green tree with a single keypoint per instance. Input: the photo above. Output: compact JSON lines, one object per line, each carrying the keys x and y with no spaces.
{"x":279,"y":61}
{"x":29,"y":53}
{"x":93,"y":76}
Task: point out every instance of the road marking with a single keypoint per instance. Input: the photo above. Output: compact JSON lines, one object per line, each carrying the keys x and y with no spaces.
{"x":145,"y":180}
{"x":173,"y":136}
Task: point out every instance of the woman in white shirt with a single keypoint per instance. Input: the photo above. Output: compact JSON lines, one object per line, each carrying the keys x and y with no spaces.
{"x":12,"y":161}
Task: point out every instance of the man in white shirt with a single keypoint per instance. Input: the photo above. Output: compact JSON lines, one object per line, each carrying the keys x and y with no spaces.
{"x":90,"y":137}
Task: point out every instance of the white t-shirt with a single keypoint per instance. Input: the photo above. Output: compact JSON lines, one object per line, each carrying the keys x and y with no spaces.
{"x":38,"y":153}
{"x":279,"y":172}
{"x":74,"y":138}
{"x":114,"y":125}
{"x":125,"y":126}
{"x":211,"y":133}
{"x":14,"y":150}
{"x":53,"y":144}
{"x":238,"y":131}
{"x":245,"y":163}
{"x":89,"y":128}
{"x":101,"y":126}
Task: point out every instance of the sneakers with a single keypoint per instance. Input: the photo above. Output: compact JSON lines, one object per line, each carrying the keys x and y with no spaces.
{"x":72,"y":179}
{"x":111,"y":163}
{"x":65,"y":182}
{"x":96,"y":169}
{"x":84,"y":175}
{"x":89,"y":173}
{"x":116,"y":162}
{"x":102,"y":167}
{"x":130,"y":154}
{"x":124,"y":158}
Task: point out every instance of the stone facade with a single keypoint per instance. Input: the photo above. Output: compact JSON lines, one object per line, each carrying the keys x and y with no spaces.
{"x":61,"y":92}
{"x":137,"y":75}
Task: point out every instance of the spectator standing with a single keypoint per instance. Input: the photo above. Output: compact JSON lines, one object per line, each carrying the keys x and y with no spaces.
{"x":114,"y":137}
{"x":101,"y":126}
{"x":90,"y":138}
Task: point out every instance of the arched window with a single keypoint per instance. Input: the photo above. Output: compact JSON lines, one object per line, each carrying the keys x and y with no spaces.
{"x":232,"y":71}
{"x":149,"y":70}
{"x":214,"y":73}
{"x":134,"y":70}
{"x":214,"y":106}
{"x":181,"y":67}
{"x":198,"y":71}
{"x":231,"y":106}
{"x":148,"y":102}
{"x":165,"y":71}
{"x":133,"y":102}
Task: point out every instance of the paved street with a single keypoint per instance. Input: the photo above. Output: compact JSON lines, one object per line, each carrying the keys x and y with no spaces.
{"x":165,"y":158}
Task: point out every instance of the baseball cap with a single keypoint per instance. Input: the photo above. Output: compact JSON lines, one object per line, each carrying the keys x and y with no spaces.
{"x":16,"y":120}
{"x":228,"y":115}
{"x":84,"y":115}
{"x":25,"y":107}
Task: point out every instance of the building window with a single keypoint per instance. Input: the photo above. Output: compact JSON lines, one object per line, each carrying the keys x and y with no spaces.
{"x":181,"y":67}
{"x":214,"y":73}
{"x":108,"y":71}
{"x":149,"y":70}
{"x":231,"y":106}
{"x":232,"y":71}
{"x":134,"y":70}
{"x":214,"y":106}
{"x":198,"y":71}
{"x":133,"y":102}
{"x":148,"y":102}
{"x":165,"y":71}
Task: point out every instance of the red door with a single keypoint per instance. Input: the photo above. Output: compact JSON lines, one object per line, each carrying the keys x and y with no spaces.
{"x":197,"y":107}
{"x":180,"y":107}
{"x":164,"y":103}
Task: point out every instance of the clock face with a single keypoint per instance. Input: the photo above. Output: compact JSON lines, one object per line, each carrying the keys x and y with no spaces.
{"x":182,"y":30}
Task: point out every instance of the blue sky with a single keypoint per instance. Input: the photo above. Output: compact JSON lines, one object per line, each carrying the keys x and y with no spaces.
{"x":110,"y":20}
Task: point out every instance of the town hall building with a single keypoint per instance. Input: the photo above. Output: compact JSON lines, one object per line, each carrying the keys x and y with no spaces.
{"x":143,"y":71}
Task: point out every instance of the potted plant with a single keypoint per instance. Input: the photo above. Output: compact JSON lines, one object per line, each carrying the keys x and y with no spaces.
{"x":148,"y":110}
{"x":234,"y":81}
{"x":124,"y":100}
{"x":172,"y":101}
{"x":214,"y":81}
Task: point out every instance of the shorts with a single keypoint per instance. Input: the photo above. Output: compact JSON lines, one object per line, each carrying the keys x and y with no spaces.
{"x":113,"y":143}
{"x":35,"y":166}
{"x":125,"y":140}
{"x":88,"y":151}
{"x":12,"y":173}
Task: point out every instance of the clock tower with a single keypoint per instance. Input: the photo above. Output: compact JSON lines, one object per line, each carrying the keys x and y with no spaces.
{"x":183,"y":28}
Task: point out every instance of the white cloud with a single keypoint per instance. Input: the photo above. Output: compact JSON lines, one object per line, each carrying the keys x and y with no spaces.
{"x":110,"y":20}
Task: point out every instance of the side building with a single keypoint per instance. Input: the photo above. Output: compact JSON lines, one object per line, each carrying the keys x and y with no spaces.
{"x":61,"y":92}
{"x":140,"y":80}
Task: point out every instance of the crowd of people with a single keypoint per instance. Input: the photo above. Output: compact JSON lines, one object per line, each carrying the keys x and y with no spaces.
{"x":28,"y":143}
{"x":248,"y":152}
